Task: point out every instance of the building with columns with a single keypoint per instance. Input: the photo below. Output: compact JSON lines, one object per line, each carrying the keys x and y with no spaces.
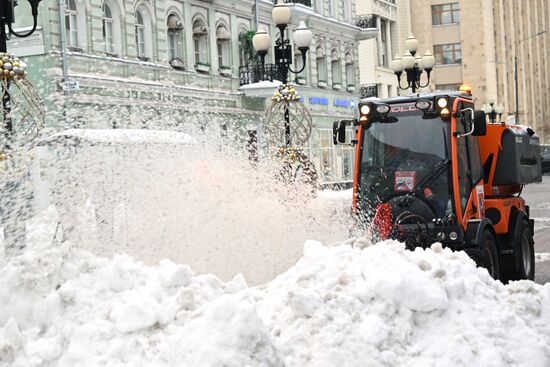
{"x":392,"y":20}
{"x":182,"y":64}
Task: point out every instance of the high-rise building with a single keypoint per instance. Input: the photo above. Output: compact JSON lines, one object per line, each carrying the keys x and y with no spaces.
{"x":475,"y":42}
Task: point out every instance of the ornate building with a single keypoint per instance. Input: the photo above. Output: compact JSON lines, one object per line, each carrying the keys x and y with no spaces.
{"x":170,"y":64}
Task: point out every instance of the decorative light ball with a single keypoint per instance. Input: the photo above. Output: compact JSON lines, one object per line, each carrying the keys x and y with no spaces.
{"x":8,"y":66}
{"x":5,"y":58}
{"x":12,"y":73}
{"x":6,"y":72}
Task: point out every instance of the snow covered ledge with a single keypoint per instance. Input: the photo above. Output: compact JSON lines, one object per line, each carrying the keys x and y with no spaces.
{"x":263,"y":89}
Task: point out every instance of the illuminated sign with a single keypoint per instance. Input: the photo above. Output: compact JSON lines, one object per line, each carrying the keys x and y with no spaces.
{"x":318,"y":100}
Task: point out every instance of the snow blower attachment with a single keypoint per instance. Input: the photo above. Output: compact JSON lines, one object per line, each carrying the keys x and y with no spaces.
{"x":429,"y":168}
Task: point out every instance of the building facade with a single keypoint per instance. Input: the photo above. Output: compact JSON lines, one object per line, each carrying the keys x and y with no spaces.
{"x":181,"y":64}
{"x":392,"y":20}
{"x":475,"y":43}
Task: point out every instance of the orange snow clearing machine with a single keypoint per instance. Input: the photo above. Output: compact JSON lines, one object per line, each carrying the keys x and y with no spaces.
{"x":429,"y":168}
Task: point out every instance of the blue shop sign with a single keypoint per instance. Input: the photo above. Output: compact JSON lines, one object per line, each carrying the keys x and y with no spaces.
{"x":318,"y":100}
{"x":343,"y":103}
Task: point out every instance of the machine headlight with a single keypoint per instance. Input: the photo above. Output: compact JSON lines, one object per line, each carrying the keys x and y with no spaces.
{"x":365,"y":109}
{"x":422,"y":105}
{"x":383,"y":109}
{"x":442,"y":102}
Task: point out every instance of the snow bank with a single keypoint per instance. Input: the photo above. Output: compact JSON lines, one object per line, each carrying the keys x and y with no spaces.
{"x":341,"y":305}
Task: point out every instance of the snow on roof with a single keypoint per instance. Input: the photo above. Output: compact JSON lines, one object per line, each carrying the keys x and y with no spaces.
{"x":338,"y":306}
{"x":128,"y":136}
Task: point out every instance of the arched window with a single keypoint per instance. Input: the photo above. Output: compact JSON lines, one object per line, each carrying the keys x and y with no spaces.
{"x":108,"y":31}
{"x":200,"y":40}
{"x":336,"y":69}
{"x":140,"y":34}
{"x":223,"y":40}
{"x":350,"y":74}
{"x":321,"y":67}
{"x":71,"y":23}
{"x":143,"y":33}
{"x":175,"y":41}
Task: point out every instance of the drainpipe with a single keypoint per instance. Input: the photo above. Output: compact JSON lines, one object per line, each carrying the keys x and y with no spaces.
{"x":256,"y":14}
{"x":64,"y":62}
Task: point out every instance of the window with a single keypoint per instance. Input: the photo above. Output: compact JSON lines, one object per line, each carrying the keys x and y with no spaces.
{"x":200,"y":40}
{"x":223,"y":38}
{"x":321,"y":66}
{"x":140,"y":34}
{"x":336,"y":68}
{"x":71,"y":23}
{"x":175,"y":41}
{"x":445,"y":14}
{"x":350,"y":75}
{"x":384,"y":43}
{"x":448,"y":54}
{"x":108,"y":34}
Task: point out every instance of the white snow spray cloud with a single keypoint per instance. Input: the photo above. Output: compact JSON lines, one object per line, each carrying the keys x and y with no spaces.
{"x":153,"y":197}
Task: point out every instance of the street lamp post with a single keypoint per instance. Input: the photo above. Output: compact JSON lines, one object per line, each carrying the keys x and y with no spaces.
{"x":7,"y":18}
{"x":413,"y":65}
{"x":516,"y":70}
{"x":492,"y":111}
{"x":283,"y":50}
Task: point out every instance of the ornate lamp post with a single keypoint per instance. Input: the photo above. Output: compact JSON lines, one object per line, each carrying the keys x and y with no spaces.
{"x":413,"y":65}
{"x":283,"y":51}
{"x":492,"y":111}
{"x":7,"y":18}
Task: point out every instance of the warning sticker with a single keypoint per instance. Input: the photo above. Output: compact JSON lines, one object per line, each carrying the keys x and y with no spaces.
{"x":405,"y":180}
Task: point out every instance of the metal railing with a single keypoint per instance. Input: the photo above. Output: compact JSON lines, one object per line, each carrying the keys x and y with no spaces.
{"x":303,"y":2}
{"x":254,"y":73}
{"x":365,"y":21}
{"x":368,"y":90}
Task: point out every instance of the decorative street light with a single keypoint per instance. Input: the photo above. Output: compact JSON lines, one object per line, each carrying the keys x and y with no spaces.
{"x":492,"y":111}
{"x":7,"y":18}
{"x":516,"y":69}
{"x":413,"y":65}
{"x":261,"y":41}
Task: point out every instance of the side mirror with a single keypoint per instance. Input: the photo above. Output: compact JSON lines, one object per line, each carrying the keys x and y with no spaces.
{"x":480,"y":124}
{"x":339,"y":132}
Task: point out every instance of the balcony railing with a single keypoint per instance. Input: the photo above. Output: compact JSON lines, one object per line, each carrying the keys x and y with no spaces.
{"x":303,"y":2}
{"x":249,"y":74}
{"x":369,"y":90}
{"x":365,"y":21}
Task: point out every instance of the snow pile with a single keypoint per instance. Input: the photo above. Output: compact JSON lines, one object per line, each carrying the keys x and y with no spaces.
{"x":341,"y":305}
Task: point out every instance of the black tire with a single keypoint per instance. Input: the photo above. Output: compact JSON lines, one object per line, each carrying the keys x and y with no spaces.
{"x":489,"y":254}
{"x":523,"y":264}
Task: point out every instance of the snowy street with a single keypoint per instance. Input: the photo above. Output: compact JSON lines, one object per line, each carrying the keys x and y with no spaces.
{"x":538,"y":198}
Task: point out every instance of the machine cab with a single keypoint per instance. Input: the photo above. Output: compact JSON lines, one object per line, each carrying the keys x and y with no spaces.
{"x":418,"y":164}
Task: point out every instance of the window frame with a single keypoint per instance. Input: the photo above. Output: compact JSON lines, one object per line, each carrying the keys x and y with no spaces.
{"x":439,"y":10}
{"x":108,"y":24}
{"x":439,"y":52}
{"x":71,"y":23}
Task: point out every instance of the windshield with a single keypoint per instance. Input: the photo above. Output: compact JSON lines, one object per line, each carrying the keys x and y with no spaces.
{"x":397,"y":156}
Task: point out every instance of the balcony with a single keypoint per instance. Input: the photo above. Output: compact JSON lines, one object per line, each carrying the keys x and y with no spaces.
{"x":368,"y":90}
{"x":249,"y":74}
{"x":299,"y":8}
{"x":302,"y":2}
{"x":367,"y":23}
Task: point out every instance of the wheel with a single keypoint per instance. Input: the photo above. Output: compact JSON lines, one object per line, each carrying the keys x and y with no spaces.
{"x":489,"y":254}
{"x":523,"y":264}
